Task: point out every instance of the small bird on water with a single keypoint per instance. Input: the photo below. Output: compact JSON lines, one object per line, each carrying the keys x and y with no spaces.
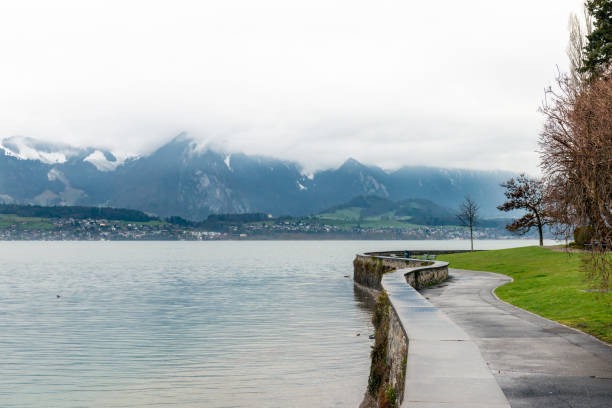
{"x":58,"y":296}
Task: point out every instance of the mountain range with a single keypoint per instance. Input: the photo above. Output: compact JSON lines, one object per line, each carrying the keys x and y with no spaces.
{"x":184,"y":179}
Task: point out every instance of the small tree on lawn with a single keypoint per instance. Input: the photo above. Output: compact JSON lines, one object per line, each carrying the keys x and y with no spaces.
{"x":527,"y":194}
{"x":468,"y":216}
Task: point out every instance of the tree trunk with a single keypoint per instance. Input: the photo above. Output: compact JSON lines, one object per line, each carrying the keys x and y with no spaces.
{"x":541,"y":237}
{"x":471,"y":240}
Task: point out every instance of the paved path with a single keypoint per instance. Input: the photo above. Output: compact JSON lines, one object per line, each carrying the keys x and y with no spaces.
{"x":536,"y":362}
{"x":445,"y":368}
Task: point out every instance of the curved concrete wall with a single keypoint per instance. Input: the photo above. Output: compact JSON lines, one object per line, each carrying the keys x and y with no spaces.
{"x":444,"y":366}
{"x":370,"y":267}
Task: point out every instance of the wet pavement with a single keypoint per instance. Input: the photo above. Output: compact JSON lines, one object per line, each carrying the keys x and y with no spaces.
{"x":536,"y":362}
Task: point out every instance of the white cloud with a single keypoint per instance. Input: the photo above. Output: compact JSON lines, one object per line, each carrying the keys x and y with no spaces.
{"x":388,"y":82}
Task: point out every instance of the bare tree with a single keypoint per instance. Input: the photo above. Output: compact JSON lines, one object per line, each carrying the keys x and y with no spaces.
{"x":527,"y":194}
{"x":576,"y":159}
{"x":468,"y":216}
{"x":576,"y":47}
{"x":576,"y":141}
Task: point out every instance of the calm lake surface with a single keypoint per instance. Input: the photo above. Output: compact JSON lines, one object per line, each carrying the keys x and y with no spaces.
{"x":187,"y":324}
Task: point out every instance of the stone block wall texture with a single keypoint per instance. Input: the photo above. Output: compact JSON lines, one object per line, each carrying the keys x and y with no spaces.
{"x":397,"y":353}
{"x":426,"y":277}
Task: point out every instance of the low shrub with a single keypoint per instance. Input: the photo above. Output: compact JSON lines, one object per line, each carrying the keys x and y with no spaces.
{"x":583,"y":235}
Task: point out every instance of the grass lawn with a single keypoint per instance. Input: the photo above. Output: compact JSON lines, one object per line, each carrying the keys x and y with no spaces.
{"x":34,"y":223}
{"x":368,"y":222}
{"x":345,"y":214}
{"x":547,"y":283}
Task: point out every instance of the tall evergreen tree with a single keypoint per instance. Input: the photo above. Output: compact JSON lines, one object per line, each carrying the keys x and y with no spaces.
{"x":599,"y":48}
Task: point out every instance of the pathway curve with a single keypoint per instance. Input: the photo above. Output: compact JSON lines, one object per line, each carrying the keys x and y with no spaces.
{"x":536,"y":362}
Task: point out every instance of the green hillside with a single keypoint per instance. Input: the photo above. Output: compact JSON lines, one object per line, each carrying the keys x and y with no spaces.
{"x":381,"y":211}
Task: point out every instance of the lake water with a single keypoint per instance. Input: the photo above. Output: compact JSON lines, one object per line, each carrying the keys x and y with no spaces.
{"x":187,"y":324}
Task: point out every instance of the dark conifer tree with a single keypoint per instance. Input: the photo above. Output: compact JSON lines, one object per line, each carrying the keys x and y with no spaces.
{"x":598,"y":55}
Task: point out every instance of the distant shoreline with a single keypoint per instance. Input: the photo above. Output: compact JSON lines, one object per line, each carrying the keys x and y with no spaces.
{"x":296,"y":237}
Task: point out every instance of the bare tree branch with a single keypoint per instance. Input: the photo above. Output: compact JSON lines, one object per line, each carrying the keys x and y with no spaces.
{"x":576,"y":159}
{"x":527,"y":194}
{"x":468,"y":216}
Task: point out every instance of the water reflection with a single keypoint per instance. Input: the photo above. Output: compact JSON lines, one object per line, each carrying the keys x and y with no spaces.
{"x":364,"y":299}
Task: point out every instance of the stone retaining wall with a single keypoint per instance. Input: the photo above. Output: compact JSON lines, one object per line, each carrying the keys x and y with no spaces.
{"x":427,"y":276}
{"x":397,"y":355}
{"x":369,"y":269}
{"x":428,"y":360}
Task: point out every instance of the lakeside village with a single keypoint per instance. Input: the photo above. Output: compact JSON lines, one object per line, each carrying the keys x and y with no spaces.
{"x":101,"y":229}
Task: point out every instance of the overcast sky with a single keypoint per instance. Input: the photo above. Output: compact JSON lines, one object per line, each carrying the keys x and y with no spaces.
{"x":446,"y":83}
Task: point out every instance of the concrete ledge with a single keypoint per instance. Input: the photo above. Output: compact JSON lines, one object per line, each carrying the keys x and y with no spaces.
{"x":444,"y":366}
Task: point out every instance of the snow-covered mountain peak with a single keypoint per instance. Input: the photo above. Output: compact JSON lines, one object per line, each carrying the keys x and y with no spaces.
{"x":26,"y":148}
{"x":106,"y":161}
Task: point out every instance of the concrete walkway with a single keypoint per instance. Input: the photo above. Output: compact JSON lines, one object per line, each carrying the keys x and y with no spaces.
{"x":536,"y":362}
{"x":444,"y":366}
